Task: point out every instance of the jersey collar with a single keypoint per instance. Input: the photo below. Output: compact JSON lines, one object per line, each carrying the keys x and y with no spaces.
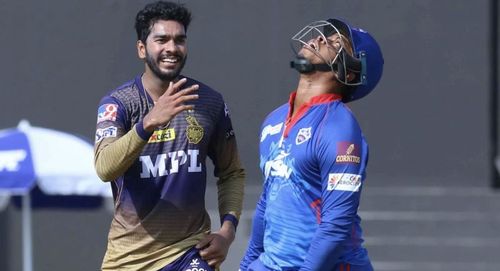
{"x":319,"y":99}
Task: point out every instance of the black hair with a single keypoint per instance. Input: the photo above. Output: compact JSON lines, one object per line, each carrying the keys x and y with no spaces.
{"x":160,"y":10}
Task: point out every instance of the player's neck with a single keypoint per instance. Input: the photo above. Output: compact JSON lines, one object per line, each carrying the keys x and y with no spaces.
{"x":154,"y":85}
{"x":311,"y":86}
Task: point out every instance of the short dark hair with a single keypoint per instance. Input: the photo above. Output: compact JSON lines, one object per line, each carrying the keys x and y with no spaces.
{"x":160,"y":10}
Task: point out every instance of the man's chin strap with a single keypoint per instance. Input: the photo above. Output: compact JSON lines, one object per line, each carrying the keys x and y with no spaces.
{"x":352,"y":64}
{"x":303,"y":65}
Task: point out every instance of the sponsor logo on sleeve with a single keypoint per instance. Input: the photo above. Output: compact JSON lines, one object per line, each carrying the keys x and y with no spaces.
{"x":347,"y":152}
{"x":270,"y":130}
{"x":107,"y":112}
{"x":303,"y":135}
{"x":344,"y":182}
{"x":229,"y":133}
{"x":162,"y":135}
{"x":226,"y":110}
{"x":100,"y":134}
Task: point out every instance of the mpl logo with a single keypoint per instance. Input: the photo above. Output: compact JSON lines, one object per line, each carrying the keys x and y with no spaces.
{"x":10,"y":160}
{"x":169,"y":163}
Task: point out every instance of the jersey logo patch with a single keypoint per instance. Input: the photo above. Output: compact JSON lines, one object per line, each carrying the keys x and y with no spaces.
{"x":270,"y":130}
{"x":347,"y":152}
{"x":303,"y":135}
{"x":100,"y":134}
{"x":107,"y":112}
{"x":344,"y":182}
{"x":194,"y":131}
{"x":162,"y":135}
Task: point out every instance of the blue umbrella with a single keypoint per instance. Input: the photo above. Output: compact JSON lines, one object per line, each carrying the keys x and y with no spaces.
{"x":58,"y":163}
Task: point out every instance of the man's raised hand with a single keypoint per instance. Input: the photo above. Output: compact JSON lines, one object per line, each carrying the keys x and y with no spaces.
{"x":171,"y":103}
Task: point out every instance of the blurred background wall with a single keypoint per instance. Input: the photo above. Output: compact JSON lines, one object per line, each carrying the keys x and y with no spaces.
{"x":426,"y":123}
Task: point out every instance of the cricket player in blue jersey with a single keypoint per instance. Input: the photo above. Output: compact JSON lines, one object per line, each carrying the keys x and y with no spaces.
{"x":313,"y":157}
{"x":153,"y":136}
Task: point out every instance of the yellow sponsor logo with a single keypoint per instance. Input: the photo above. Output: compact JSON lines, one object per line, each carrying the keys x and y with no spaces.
{"x":162,"y":135}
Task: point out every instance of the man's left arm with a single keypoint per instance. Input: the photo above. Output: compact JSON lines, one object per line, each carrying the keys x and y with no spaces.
{"x":342,"y":159}
{"x":231,"y":176}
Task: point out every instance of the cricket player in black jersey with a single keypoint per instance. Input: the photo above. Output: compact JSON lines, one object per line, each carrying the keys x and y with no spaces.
{"x":153,"y":136}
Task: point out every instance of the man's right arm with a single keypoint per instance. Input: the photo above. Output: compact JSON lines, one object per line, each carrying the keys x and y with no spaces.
{"x":112,"y":159}
{"x":117,"y":145}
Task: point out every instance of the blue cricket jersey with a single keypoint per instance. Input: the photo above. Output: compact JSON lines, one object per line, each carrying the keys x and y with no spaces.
{"x":314,"y":167}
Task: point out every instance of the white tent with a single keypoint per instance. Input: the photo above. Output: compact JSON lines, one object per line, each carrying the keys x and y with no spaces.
{"x":59,"y":163}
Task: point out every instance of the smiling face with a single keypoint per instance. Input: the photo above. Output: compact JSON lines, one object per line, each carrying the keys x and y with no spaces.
{"x":165,"y":51}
